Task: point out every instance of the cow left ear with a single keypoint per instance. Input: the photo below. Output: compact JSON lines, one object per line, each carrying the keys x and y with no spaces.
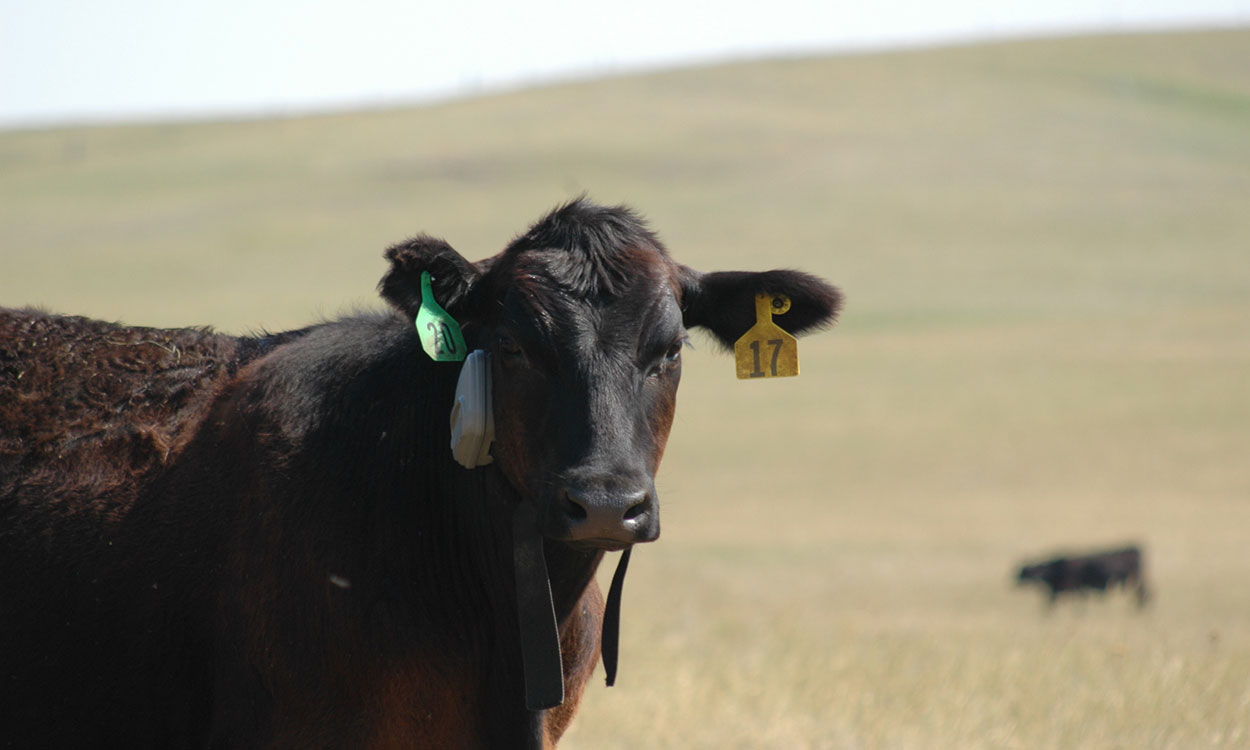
{"x":452,"y":277}
{"x":723,"y":302}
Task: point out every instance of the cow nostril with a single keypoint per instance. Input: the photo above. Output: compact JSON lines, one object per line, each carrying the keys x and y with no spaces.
{"x":637,"y":509}
{"x":573,"y":509}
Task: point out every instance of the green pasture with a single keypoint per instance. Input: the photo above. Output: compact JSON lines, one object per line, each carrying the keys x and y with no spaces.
{"x":1045,"y":249}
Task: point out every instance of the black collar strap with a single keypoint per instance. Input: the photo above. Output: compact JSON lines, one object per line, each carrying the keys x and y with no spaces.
{"x":536,"y":615}
{"x":610,"y":644}
{"x":540,"y":635}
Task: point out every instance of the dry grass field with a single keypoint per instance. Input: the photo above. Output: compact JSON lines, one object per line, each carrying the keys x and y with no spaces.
{"x":1045,"y":247}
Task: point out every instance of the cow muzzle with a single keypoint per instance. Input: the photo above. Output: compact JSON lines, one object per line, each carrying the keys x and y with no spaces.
{"x":596,"y":515}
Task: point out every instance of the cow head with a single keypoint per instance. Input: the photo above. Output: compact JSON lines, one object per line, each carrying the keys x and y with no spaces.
{"x":585,"y":317}
{"x":1040,"y":573}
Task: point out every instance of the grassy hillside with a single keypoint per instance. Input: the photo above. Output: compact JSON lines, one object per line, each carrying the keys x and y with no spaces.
{"x":1045,"y":247}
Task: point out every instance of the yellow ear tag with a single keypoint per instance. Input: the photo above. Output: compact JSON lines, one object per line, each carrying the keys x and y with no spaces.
{"x":767,"y":351}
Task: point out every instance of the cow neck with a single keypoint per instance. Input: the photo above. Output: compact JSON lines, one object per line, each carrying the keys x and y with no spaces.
{"x":576,"y":570}
{"x":537,"y":613}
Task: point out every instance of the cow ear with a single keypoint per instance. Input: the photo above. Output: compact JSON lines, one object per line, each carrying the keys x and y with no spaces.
{"x":451,"y":275}
{"x":724,"y":302}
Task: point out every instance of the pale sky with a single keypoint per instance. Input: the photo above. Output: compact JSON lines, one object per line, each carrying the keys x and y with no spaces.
{"x":72,"y":61}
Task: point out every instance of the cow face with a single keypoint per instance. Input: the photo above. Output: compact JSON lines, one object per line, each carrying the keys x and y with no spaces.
{"x":586,"y":317}
{"x":585,"y":388}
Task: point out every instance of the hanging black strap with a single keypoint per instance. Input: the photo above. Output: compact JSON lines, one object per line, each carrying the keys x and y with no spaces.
{"x":540,"y":636}
{"x":539,"y":631}
{"x":611,"y":642}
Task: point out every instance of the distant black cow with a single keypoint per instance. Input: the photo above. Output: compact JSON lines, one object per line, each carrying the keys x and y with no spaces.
{"x":264,"y":542}
{"x":1096,"y":571}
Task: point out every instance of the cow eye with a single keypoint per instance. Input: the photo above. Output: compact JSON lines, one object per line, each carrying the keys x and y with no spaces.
{"x":671,"y":357}
{"x":510,"y":350}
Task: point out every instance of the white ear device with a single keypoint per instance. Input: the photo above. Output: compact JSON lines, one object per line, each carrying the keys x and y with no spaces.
{"x":472,"y":415}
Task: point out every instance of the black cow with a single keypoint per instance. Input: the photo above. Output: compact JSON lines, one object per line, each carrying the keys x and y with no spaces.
{"x":1096,"y":571}
{"x":219,"y":542}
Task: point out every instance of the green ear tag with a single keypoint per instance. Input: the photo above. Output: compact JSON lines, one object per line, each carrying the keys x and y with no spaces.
{"x":440,"y":333}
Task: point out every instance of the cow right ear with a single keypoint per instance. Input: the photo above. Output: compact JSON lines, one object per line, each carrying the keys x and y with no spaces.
{"x":451,"y":275}
{"x":723,"y":302}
